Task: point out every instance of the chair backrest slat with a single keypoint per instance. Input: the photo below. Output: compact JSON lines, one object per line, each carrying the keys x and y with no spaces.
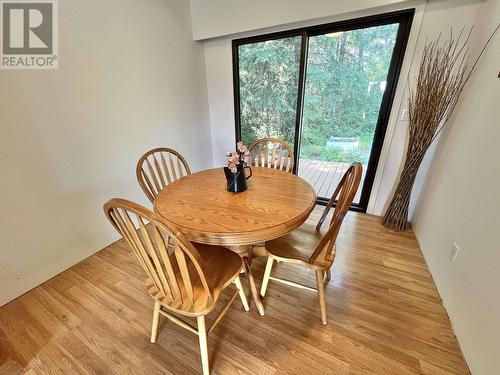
{"x":160,"y":175}
{"x":178,"y":275}
{"x":183,"y":268}
{"x":342,"y":199}
{"x":174,"y":291}
{"x":179,"y":168}
{"x":165,"y":287}
{"x":173,"y":279}
{"x":272,"y":153}
{"x":122,"y":228}
{"x":159,"y":167}
{"x":165,"y":168}
{"x":139,"y":245}
{"x":266,"y":153}
{"x":152,"y":174}
{"x":149,"y":184}
{"x":280,"y":157}
{"x":172,"y":167}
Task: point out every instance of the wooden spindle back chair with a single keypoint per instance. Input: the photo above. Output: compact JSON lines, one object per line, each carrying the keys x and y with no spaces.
{"x":271,"y":153}
{"x":311,"y":247}
{"x":159,"y":167}
{"x":171,"y":262}
{"x":342,"y":198}
{"x":177,"y":275}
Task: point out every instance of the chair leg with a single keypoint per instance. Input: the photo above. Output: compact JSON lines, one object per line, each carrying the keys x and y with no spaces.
{"x":321,"y":295}
{"x":267,"y":274}
{"x":328,"y":275}
{"x":202,"y":333}
{"x":156,"y":320}
{"x":243,"y":296}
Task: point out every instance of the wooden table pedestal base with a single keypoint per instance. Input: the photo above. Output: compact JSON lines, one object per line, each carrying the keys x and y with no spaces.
{"x":246,"y":253}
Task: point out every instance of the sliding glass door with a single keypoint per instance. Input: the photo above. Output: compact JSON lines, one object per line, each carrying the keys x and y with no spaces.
{"x":326,"y":90}
{"x":346,"y":77}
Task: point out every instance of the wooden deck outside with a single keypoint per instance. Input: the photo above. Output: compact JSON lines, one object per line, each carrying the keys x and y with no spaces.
{"x":324,"y":176}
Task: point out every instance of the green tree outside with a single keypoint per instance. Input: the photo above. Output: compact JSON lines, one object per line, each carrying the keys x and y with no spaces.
{"x":345,"y":81}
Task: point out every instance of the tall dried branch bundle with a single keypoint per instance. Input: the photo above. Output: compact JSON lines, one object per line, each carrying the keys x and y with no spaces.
{"x":443,"y":72}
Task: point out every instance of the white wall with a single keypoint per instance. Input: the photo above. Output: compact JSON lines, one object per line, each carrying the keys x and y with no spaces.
{"x":130,"y":78}
{"x":438,"y":17}
{"x":218,"y":65}
{"x":460,"y":203}
{"x":217,"y":18}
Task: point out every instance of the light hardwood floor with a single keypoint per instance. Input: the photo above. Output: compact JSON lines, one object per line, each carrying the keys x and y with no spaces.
{"x":384,"y":317}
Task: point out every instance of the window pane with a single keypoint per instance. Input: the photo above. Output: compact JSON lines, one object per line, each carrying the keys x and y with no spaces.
{"x":269,"y":76}
{"x":345,"y":80}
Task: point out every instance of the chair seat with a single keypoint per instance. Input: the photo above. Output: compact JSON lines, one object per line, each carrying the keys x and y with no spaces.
{"x":298,"y":246}
{"x":221,"y":266}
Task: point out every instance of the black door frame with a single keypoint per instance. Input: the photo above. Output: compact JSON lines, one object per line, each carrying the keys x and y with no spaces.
{"x":403,"y":17}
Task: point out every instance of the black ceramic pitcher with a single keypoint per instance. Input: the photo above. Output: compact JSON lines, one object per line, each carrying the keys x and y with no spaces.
{"x":237,"y":181}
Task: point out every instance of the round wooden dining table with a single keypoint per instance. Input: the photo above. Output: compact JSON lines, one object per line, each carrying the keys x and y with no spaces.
{"x":274,"y":204}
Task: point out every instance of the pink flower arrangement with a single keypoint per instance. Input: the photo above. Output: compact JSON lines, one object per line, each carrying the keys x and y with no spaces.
{"x":240,"y":156}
